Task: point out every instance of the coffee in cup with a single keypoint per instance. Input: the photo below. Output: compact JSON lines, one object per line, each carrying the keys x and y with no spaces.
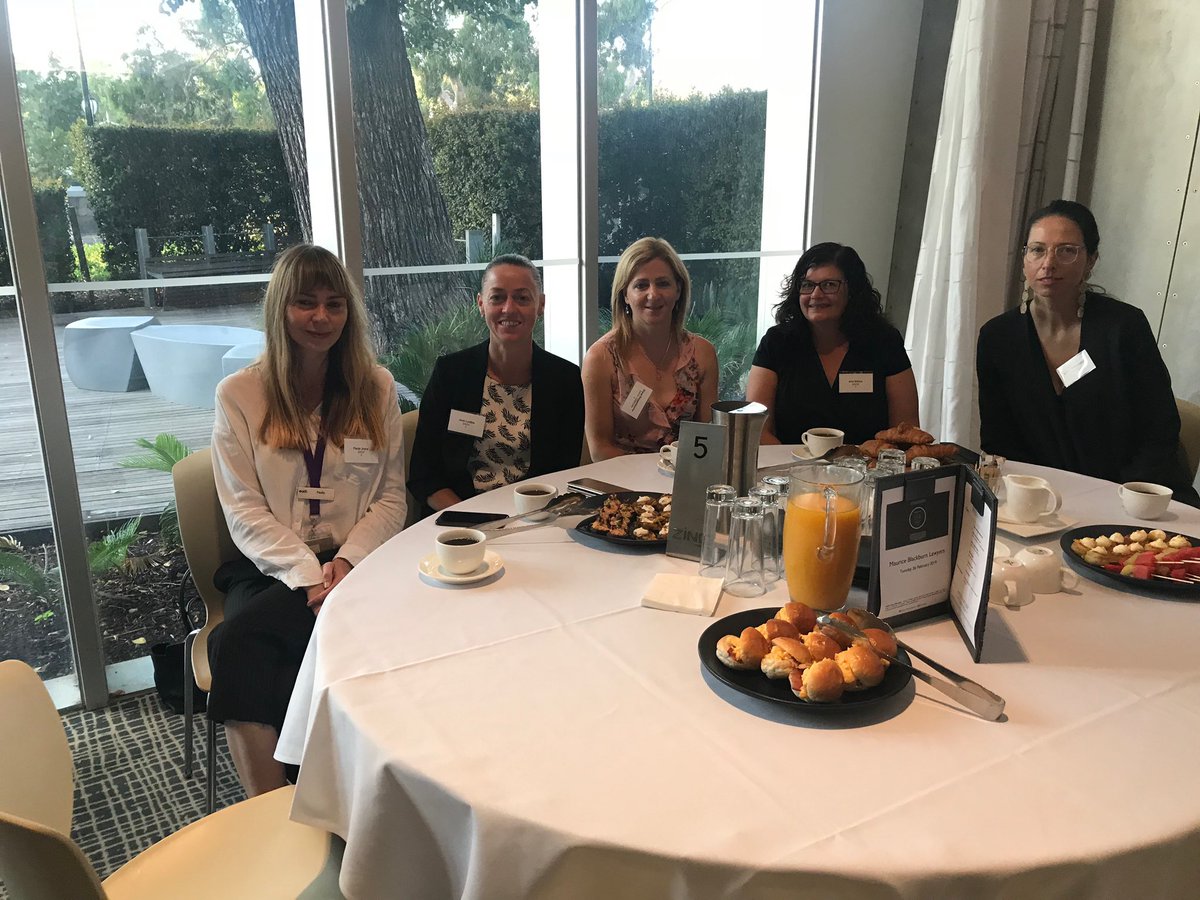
{"x":460,"y":550}
{"x":668,"y":453}
{"x":1144,"y":499}
{"x":1030,"y":498}
{"x":532,"y":496}
{"x":820,"y":441}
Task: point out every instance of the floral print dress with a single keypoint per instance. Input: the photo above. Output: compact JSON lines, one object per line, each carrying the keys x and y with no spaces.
{"x":656,"y":425}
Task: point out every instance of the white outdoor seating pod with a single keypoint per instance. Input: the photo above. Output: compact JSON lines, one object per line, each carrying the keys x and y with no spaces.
{"x":183,"y":362}
{"x":99,"y":354}
{"x":240,"y":356}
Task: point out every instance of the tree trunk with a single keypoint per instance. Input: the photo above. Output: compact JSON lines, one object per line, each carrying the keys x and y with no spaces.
{"x":404,"y":215}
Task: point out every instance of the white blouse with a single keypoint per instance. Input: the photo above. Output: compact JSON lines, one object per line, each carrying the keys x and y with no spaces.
{"x":258,"y":484}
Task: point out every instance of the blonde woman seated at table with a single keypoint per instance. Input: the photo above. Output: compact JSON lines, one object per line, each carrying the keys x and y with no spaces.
{"x":1072,"y":378}
{"x":308,"y":457}
{"x":502,"y":410}
{"x":647,"y":374}
{"x":831,"y":360}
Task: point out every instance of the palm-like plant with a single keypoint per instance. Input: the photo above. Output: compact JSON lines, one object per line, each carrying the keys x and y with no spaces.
{"x":165,"y":451}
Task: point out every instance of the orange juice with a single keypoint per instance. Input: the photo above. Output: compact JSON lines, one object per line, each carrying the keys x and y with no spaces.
{"x":819,"y":583}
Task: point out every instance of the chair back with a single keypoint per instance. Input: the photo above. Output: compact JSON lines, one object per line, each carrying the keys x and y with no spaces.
{"x":408,"y":421}
{"x":35,"y":759}
{"x":40,"y":863}
{"x":206,"y":544}
{"x":1189,"y":433}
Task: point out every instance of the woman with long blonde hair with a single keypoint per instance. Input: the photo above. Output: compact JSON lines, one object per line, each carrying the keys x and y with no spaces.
{"x":309,"y":464}
{"x":648,"y":373}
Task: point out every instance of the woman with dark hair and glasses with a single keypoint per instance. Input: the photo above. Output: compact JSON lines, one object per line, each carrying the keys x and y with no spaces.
{"x":832,"y":360}
{"x":1072,"y":378}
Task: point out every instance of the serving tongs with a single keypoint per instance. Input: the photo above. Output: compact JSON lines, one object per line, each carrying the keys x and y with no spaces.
{"x":563,"y":505}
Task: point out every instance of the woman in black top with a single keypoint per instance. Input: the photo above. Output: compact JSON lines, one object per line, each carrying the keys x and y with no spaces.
{"x":502,"y":410}
{"x":833,"y":360}
{"x":1072,"y":378}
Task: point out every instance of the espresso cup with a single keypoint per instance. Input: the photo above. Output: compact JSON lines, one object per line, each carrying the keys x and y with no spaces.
{"x":1010,"y":583}
{"x":1143,"y":499}
{"x":460,"y":550}
{"x":820,"y":441}
{"x":669,"y":452}
{"x":1030,"y":497}
{"x":532,"y":496}
{"x":1043,"y":572}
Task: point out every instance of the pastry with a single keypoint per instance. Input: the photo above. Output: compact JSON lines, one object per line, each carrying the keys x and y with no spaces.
{"x":937,"y":451}
{"x":773,"y":628}
{"x":880,"y":640}
{"x":872,"y":447}
{"x":861,"y":668}
{"x":800,"y":615}
{"x":821,"y":682}
{"x":820,"y":645}
{"x":843,"y":638}
{"x":786,"y":656}
{"x":905,"y":434}
{"x":743,"y":652}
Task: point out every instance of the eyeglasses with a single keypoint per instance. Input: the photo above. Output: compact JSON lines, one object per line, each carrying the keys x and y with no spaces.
{"x":1063,"y":253}
{"x":828,"y":286}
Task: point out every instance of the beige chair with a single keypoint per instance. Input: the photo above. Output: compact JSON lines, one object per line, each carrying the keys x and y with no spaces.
{"x":408,"y":421}
{"x":206,"y":544}
{"x":249,"y":849}
{"x":1189,"y":433}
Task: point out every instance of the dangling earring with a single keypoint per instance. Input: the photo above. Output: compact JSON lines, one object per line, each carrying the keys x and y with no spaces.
{"x":1083,"y":289}
{"x":1026,"y":298}
{"x":628,"y":310}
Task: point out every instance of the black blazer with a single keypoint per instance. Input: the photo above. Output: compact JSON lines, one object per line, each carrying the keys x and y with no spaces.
{"x":439,"y":457}
{"x":1118,"y":422}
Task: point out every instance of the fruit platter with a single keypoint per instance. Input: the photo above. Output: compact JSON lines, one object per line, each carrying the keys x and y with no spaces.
{"x":1151,"y":561}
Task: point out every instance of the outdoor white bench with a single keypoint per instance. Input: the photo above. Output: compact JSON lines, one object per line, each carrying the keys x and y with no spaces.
{"x":240,"y":356}
{"x":183,"y":363}
{"x":99,"y":354}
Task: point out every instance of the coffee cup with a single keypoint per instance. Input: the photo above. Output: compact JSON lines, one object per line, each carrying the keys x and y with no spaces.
{"x":532,"y":496}
{"x":1030,"y":498}
{"x":669,"y":452}
{"x":820,"y":441}
{"x":1143,"y":499}
{"x":460,"y":550}
{"x":1043,"y":572}
{"x":1010,"y":583}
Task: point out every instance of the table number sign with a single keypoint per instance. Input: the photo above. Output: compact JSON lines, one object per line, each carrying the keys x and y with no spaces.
{"x":935,"y":531}
{"x":698,"y":464}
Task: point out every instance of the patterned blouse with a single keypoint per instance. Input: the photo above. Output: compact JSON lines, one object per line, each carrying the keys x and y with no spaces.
{"x":502,"y":455}
{"x":656,"y":425}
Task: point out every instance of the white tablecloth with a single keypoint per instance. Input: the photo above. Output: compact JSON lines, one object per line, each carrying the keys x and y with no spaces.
{"x":542,"y":735}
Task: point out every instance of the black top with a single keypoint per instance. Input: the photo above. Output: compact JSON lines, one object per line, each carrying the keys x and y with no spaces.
{"x":805,"y":399}
{"x":1118,"y":422}
{"x":440,"y":456}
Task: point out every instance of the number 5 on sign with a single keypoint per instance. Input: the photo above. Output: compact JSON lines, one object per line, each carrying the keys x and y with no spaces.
{"x":697,"y":465}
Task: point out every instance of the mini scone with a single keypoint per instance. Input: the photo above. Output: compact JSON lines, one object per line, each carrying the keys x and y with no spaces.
{"x":861,"y":668}
{"x":803,"y":617}
{"x":743,"y":652}
{"x":773,"y":628}
{"x":820,"y":683}
{"x":820,"y":645}
{"x":786,"y":656}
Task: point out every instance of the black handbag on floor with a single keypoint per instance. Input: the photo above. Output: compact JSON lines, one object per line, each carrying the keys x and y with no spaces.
{"x":168,"y":678}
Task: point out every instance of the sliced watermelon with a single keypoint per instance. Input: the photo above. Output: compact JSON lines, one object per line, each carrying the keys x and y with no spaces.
{"x":1142,"y":572}
{"x":1145,"y":558}
{"x":1113,"y":567}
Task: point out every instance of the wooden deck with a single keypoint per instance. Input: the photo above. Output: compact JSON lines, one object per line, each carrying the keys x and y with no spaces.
{"x":104,"y":427}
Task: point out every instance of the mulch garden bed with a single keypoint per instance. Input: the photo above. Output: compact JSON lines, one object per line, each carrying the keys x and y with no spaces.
{"x":139,"y":607}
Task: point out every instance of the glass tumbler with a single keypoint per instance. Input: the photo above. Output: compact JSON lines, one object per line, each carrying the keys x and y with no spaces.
{"x":925,"y":462}
{"x":714,"y":544}
{"x":891,"y":462}
{"x":744,"y":576}
{"x":772,"y":530}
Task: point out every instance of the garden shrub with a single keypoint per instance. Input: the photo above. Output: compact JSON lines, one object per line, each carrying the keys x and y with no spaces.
{"x":50,"y":204}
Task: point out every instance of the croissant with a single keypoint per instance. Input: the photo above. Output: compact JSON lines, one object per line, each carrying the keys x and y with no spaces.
{"x":937,"y":451}
{"x":905,"y":433}
{"x":872,"y":447}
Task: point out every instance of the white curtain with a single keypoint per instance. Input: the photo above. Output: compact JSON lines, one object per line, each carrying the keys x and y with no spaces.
{"x":988,"y":173}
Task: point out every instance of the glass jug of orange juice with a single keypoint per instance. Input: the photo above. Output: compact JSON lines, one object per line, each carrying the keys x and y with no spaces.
{"x":820,"y":533}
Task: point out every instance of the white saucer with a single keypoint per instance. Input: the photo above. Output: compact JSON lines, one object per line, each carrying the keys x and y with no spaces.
{"x":666,"y":467}
{"x":802,"y":453}
{"x":1001,"y":550}
{"x":492,"y":563}
{"x":1045,"y":525}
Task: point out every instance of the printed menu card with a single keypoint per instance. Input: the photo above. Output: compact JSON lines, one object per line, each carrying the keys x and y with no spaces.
{"x":935,"y":531}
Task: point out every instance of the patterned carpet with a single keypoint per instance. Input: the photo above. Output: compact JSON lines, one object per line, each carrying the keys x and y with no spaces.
{"x":129,"y":786}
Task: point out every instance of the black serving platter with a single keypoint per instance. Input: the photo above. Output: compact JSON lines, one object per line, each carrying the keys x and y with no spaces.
{"x":585,"y":527}
{"x":756,"y":684}
{"x":1150,"y":587}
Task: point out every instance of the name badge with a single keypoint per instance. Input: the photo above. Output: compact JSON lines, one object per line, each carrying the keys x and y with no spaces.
{"x":359,"y":450}
{"x":639,"y":396}
{"x":314,"y":493}
{"x":466,"y":423}
{"x":318,"y":537}
{"x":856,"y":383}
{"x":1075,"y":368}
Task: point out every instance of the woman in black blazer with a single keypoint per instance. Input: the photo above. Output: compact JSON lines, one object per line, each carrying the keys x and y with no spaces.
{"x":500,"y":411}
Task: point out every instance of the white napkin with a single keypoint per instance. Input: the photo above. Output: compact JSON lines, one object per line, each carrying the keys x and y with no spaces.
{"x":683,"y":593}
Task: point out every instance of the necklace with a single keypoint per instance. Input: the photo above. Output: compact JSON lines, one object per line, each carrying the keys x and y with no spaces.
{"x":666,"y":355}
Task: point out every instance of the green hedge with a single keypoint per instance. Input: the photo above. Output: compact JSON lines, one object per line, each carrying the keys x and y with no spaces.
{"x":50,"y":203}
{"x":173,"y":181}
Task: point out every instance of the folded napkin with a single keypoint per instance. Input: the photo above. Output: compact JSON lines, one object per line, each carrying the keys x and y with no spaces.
{"x":683,"y":593}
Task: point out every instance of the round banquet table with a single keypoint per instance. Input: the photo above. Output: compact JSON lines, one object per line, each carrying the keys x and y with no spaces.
{"x":541,"y":734}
